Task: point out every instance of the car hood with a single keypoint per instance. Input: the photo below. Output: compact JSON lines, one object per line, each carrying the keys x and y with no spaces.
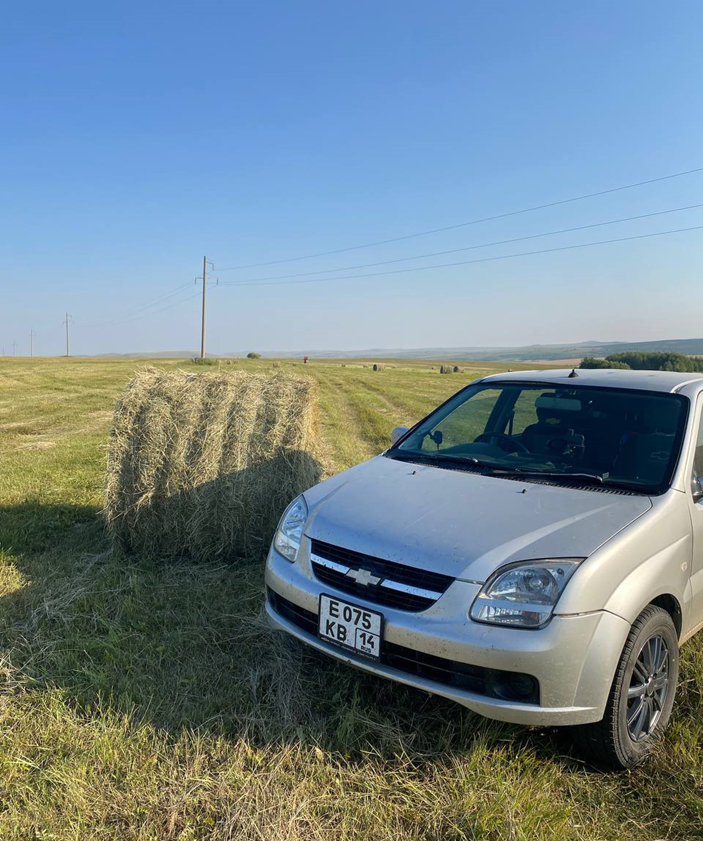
{"x":461,"y":523}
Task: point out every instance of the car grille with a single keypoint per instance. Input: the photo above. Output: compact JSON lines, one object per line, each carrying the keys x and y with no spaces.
{"x":494,"y":683}
{"x":389,"y":583}
{"x":306,"y":620}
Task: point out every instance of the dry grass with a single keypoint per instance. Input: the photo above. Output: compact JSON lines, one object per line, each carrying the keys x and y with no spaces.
{"x":202,"y":465}
{"x":145,"y":700}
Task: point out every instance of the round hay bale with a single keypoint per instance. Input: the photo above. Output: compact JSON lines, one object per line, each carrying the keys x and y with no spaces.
{"x":202,"y":465}
{"x":377,"y":366}
{"x":455,"y":369}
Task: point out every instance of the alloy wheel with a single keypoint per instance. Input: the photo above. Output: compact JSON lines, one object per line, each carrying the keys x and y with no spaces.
{"x":648,"y":688}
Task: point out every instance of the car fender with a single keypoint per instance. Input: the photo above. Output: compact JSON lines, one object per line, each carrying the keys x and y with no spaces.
{"x":649,"y":558}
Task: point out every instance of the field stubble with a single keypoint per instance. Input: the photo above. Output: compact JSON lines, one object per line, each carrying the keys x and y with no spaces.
{"x":144,"y":699}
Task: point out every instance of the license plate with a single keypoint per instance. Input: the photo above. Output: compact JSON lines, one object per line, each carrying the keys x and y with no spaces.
{"x":350,"y":627}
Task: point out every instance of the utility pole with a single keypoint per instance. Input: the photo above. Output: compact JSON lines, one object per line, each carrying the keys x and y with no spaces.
{"x":202,"y":334}
{"x":14,"y":345}
{"x":67,"y":321}
{"x":31,"y":342}
{"x":206,"y":263}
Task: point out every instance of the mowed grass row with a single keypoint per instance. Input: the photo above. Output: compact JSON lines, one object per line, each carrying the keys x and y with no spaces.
{"x":148,"y":700}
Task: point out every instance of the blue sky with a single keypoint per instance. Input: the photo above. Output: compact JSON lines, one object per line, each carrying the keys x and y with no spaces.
{"x":138,"y":136}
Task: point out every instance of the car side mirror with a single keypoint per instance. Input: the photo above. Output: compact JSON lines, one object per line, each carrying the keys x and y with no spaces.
{"x":398,"y":433}
{"x":697,"y":488}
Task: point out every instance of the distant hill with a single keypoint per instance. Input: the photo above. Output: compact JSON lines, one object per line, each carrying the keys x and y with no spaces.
{"x":528,"y":353}
{"x":155,"y":354}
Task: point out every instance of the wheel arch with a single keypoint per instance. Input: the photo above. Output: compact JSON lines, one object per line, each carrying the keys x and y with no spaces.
{"x":672,"y":606}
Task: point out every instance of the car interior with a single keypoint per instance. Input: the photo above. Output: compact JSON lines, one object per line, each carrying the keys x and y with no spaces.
{"x":607,"y":432}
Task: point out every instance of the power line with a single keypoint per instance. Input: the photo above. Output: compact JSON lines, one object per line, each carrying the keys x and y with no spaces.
{"x":151,"y":302}
{"x":473,"y":247}
{"x":137,"y":317}
{"x":162,"y":309}
{"x":464,"y":262}
{"x":471,"y":222}
{"x":155,"y":312}
{"x":127,"y":314}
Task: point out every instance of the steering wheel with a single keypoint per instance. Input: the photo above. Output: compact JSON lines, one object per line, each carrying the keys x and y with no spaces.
{"x":501,"y":438}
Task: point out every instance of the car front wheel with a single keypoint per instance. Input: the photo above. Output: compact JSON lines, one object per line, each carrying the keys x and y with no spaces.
{"x":641,"y":697}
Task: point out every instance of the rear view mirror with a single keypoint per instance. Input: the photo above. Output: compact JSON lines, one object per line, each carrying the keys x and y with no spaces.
{"x":697,"y":488}
{"x":398,"y":433}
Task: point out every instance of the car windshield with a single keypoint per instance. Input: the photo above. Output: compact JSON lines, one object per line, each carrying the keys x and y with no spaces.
{"x":576,"y":435}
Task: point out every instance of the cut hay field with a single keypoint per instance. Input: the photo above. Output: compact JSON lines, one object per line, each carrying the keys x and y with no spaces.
{"x":143,"y":699}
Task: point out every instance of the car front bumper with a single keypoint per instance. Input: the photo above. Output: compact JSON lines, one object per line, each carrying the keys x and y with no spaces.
{"x":573,"y":658}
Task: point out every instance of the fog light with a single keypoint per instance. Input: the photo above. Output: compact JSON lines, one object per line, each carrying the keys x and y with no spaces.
{"x":522,"y":686}
{"x":514,"y":686}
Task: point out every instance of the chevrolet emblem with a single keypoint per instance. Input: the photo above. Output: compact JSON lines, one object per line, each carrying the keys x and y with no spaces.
{"x":364,"y":577}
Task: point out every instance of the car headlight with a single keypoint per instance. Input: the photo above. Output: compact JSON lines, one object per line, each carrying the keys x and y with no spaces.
{"x":523,"y":595}
{"x":290,"y":529}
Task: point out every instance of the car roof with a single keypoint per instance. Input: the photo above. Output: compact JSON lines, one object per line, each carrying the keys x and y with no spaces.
{"x":667,"y":381}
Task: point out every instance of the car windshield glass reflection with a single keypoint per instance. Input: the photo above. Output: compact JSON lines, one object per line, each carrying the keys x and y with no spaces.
{"x":574,"y":435}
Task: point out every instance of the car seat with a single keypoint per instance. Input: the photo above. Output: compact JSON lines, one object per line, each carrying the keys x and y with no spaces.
{"x":553,"y":434}
{"x":645,"y":449}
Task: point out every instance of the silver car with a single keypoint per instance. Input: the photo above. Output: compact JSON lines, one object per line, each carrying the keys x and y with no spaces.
{"x":532,"y":549}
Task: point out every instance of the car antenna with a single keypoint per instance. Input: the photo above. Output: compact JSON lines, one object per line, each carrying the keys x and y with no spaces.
{"x":572,"y":374}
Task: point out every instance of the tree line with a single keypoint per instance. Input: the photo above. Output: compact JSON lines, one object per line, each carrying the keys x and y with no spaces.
{"x":645,"y":361}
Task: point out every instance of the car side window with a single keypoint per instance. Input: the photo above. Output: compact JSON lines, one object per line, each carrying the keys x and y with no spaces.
{"x":698,"y":457}
{"x":524,"y":412}
{"x":464,"y":424}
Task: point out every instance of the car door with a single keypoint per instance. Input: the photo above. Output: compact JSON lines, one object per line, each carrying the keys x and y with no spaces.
{"x":696,"y":508}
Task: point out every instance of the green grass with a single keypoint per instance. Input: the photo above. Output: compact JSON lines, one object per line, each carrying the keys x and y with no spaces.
{"x":144,"y":700}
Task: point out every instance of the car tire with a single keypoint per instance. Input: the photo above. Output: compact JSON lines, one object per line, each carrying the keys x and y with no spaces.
{"x":641,"y":696}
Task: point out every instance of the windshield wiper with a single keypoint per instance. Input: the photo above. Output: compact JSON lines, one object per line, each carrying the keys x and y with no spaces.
{"x":576,"y":478}
{"x":492,"y":469}
{"x":580,"y":478}
{"x":488,"y":469}
{"x":433,"y":458}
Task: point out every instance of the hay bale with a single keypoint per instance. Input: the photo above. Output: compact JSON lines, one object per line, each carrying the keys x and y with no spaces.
{"x":202,"y":465}
{"x":445,"y":369}
{"x":377,"y":366}
{"x":455,"y":369}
